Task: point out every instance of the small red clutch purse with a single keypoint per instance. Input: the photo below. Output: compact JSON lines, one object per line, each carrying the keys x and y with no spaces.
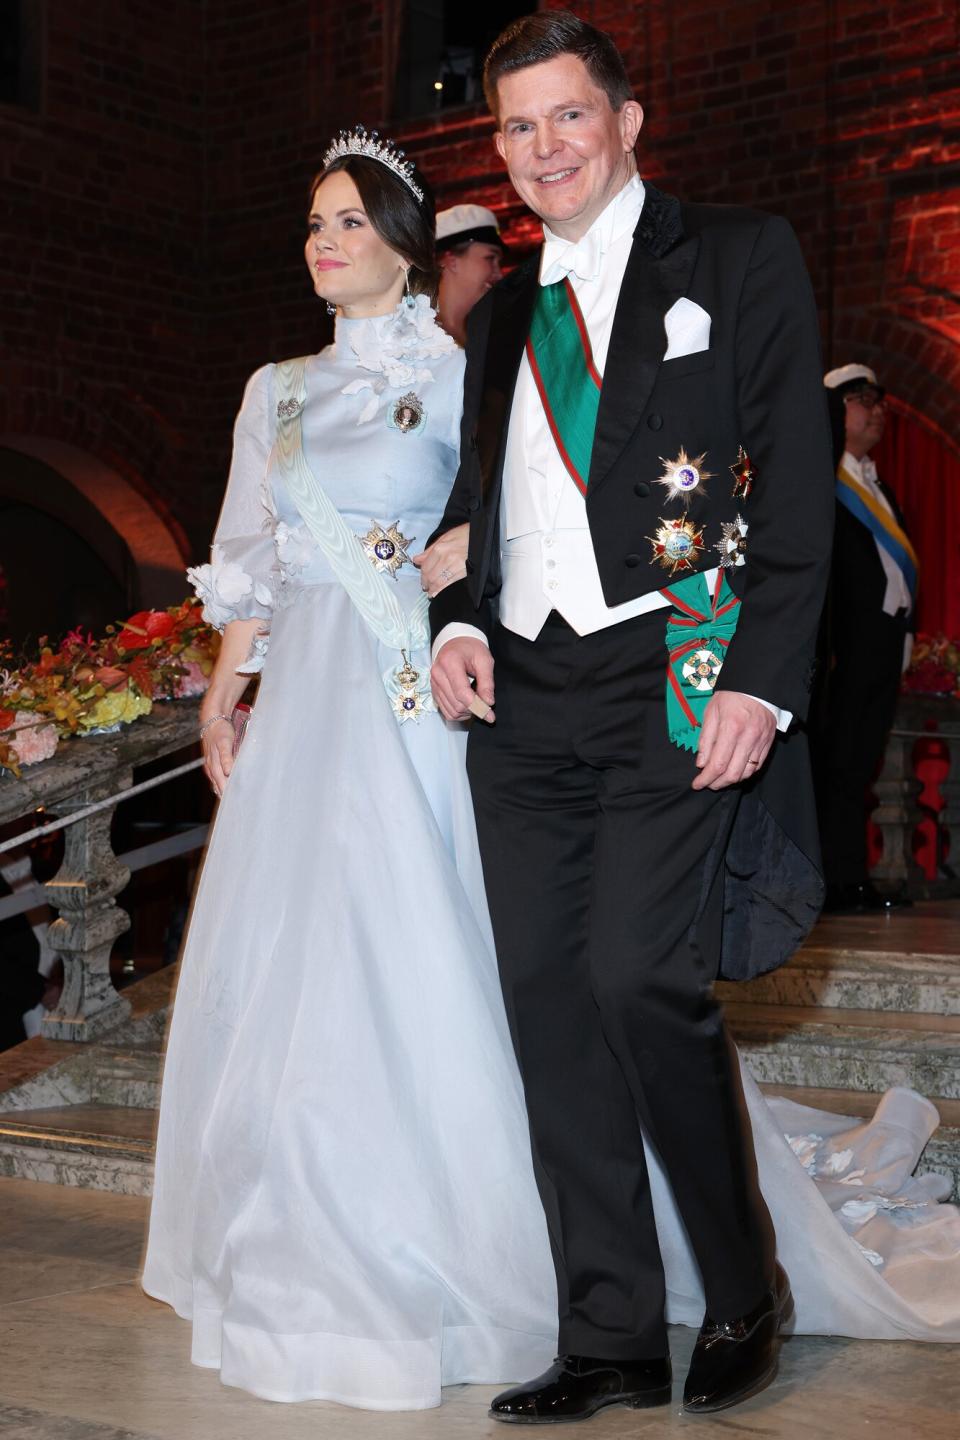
{"x":240,"y":717}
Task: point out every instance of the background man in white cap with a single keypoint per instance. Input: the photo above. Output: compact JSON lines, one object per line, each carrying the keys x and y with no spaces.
{"x":869,"y":633}
{"x":469,"y":252}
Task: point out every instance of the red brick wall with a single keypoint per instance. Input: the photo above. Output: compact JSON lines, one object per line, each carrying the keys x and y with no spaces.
{"x":151,"y":219}
{"x":101,"y":290}
{"x":840,"y":114}
{"x":281,"y":77}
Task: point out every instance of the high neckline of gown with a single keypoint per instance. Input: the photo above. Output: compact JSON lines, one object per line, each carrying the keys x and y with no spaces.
{"x":409,"y":331}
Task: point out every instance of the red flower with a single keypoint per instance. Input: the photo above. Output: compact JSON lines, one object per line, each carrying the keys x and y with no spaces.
{"x":144,"y":627}
{"x":133,"y":635}
{"x":7,"y":718}
{"x":158,"y":624}
{"x":141,"y":675}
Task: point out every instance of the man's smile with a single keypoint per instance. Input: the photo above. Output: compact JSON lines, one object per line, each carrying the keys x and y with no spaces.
{"x":557,"y":177}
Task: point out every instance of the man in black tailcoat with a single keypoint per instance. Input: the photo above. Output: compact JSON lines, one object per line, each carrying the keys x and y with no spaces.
{"x":868,"y":637}
{"x":644,"y":441}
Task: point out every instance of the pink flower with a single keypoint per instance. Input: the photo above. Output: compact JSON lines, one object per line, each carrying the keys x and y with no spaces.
{"x":194,"y":682}
{"x":31,"y":739}
{"x":111,"y":676}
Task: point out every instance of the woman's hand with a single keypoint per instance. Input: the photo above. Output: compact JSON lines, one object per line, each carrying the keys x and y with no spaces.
{"x":444,"y":561}
{"x":225,"y":689}
{"x":217,"y":745}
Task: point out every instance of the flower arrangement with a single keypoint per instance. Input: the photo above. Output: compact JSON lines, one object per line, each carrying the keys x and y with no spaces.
{"x":934,"y":667}
{"x":86,"y":685}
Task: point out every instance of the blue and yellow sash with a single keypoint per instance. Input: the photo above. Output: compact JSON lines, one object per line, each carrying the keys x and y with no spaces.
{"x":854,"y":496}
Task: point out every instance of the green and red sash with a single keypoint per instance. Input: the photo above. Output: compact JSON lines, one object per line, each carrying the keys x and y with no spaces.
{"x":699,"y":624}
{"x":567,"y":380}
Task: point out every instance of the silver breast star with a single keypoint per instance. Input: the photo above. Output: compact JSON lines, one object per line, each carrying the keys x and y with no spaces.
{"x":733,"y":545}
{"x":386,"y":548}
{"x":683,"y":476}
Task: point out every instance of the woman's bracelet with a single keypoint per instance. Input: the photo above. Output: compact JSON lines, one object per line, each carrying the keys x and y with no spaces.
{"x":212,"y":721}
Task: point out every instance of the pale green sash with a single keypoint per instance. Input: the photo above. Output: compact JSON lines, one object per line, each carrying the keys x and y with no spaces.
{"x":374,"y":596}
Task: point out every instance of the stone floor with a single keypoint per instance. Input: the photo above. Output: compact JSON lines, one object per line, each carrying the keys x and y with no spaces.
{"x":84,"y":1355}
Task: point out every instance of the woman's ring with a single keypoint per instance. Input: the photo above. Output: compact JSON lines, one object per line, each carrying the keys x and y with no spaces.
{"x":445,"y":575}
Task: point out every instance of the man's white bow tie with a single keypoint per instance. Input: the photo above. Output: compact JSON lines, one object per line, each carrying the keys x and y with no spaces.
{"x":563,"y":257}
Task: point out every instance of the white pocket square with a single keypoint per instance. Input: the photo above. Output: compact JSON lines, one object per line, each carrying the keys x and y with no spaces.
{"x":688,"y":329}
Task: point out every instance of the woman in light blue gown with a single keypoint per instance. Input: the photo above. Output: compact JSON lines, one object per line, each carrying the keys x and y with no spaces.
{"x":344,"y":1204}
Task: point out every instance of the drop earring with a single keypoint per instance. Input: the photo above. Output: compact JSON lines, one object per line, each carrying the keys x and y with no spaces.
{"x":408,"y":298}
{"x":331,"y":308}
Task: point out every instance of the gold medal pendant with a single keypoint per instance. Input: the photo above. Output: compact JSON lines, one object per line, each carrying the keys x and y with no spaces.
{"x":733,"y":545}
{"x":387,"y":549}
{"x":744,"y":476}
{"x":677,"y":544}
{"x":410,"y":698}
{"x":683,"y":477}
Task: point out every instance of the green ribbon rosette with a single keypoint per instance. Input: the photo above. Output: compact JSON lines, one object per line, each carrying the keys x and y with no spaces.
{"x":699,"y":629}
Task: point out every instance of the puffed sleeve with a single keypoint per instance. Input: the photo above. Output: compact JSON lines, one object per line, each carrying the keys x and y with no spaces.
{"x":238,"y":583}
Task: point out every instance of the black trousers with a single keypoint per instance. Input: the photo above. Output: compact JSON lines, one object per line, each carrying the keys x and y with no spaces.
{"x":861,"y":698}
{"x":603,"y":873}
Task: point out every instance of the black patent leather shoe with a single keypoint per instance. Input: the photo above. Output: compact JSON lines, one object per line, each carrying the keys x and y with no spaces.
{"x":734,"y":1359}
{"x":576,"y":1387}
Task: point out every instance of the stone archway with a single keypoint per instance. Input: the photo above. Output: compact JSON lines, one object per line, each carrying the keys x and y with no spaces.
{"x":143,"y":549}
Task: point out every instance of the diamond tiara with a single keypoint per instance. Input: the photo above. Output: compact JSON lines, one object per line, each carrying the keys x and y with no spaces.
{"x":358,"y":142}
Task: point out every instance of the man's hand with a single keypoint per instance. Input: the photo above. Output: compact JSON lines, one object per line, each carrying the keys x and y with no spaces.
{"x":735,"y":740}
{"x":457,"y":661}
{"x":444,"y":561}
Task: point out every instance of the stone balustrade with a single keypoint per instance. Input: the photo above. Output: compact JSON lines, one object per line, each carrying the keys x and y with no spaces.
{"x":900,"y":813}
{"x":84,"y":890}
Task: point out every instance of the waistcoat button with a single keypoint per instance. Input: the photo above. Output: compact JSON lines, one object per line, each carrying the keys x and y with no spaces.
{"x":642,"y":489}
{"x":633,"y":561}
{"x":655,"y":422}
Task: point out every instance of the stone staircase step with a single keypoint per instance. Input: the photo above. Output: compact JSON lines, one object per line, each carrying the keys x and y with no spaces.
{"x":108,"y":1147}
{"x":942,"y":1153}
{"x":126,"y":1075}
{"x":927,"y":927}
{"x":839,"y":1049}
{"x":857,"y":979}
{"x":95,"y":1147}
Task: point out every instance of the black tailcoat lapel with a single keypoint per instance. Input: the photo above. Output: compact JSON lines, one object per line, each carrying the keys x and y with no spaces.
{"x":513,"y":302}
{"x":658,"y":273}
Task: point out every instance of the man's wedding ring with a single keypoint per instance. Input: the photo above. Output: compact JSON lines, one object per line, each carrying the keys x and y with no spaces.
{"x":479,"y":707}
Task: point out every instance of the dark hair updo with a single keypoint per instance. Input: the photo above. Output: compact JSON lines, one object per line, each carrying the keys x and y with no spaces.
{"x":402,"y":221}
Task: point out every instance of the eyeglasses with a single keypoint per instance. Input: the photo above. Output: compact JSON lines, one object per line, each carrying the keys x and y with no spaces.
{"x":869,"y":399}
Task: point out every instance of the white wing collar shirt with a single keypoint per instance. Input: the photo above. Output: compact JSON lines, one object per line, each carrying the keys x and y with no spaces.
{"x":547,"y":554}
